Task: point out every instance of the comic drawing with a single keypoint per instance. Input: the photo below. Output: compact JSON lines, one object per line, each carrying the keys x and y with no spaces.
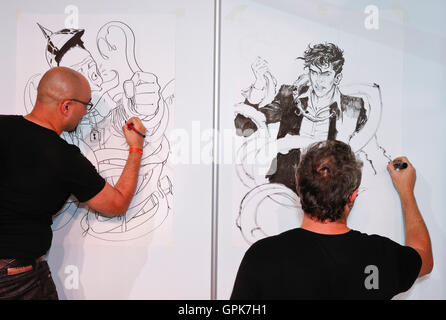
{"x":315,"y":107}
{"x":120,"y":89}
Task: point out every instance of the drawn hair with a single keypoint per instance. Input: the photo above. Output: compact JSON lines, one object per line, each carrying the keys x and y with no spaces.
{"x":327,"y":175}
{"x":324,"y":54}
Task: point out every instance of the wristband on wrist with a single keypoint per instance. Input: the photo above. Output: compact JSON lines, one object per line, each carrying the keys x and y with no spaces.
{"x":139,"y":150}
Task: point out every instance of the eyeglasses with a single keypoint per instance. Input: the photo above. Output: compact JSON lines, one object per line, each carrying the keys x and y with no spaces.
{"x":87,"y":105}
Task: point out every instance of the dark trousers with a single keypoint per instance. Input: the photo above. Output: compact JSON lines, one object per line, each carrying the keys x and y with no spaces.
{"x":36,"y":284}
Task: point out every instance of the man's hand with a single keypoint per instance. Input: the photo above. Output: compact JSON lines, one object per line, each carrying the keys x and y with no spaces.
{"x":404,"y":179}
{"x":133,"y":139}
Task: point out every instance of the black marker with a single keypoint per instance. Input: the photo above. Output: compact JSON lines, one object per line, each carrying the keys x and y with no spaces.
{"x":399,"y":164}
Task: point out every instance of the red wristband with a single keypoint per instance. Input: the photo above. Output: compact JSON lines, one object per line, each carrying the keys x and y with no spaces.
{"x":139,"y":150}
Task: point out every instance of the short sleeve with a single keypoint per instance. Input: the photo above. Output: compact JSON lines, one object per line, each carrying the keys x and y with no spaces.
{"x":409,"y":266}
{"x":82,"y":178}
{"x":406,"y":265}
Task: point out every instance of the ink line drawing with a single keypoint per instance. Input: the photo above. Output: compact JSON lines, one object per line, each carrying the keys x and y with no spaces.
{"x":120,"y":89}
{"x":315,"y":107}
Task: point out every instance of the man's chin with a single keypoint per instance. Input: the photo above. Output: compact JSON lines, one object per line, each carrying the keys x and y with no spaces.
{"x":72,"y":130}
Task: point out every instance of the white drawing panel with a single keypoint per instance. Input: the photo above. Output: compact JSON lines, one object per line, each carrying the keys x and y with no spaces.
{"x":371,"y":71}
{"x":129,"y":64}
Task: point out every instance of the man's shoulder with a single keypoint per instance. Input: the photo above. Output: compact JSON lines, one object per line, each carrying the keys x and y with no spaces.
{"x":375,"y":240}
{"x":6,"y":118}
{"x":69,"y":152}
{"x":265,"y":252}
{"x":274,"y":243}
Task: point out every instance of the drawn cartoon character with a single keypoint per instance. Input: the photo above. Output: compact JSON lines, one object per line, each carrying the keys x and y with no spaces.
{"x":313,"y":108}
{"x":99,"y":135}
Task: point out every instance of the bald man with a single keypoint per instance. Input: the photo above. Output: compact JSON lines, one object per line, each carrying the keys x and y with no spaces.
{"x":40,"y":170}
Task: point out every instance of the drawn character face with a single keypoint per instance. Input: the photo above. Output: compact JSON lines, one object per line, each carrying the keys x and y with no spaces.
{"x":323,"y":79}
{"x":81,"y":60}
{"x":89,"y":69}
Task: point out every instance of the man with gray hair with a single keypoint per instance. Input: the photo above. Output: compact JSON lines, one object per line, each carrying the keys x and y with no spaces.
{"x":324,"y":258}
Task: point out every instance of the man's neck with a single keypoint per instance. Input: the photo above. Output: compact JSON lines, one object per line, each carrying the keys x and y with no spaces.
{"x":326,"y":227}
{"x":39,"y":120}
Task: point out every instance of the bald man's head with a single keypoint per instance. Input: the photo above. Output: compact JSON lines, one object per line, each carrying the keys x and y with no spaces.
{"x":61,"y":83}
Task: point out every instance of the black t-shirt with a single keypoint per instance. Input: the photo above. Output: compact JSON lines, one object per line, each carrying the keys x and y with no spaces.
{"x":300,"y":264}
{"x":38,"y":172}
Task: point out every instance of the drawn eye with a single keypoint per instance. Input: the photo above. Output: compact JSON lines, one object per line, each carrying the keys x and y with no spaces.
{"x":94,"y":76}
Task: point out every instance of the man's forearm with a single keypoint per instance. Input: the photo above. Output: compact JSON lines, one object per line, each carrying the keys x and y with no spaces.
{"x":126,"y":184}
{"x":417,"y":235}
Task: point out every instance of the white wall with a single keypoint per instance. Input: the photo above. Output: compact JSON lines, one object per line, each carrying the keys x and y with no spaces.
{"x":406,"y":59}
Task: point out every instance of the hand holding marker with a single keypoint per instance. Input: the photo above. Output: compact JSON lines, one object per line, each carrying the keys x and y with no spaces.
{"x":397,"y":164}
{"x":132,"y":127}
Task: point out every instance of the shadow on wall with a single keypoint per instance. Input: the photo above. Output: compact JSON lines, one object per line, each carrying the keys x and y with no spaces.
{"x":84,"y":267}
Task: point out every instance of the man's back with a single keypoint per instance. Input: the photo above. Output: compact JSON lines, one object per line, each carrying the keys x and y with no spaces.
{"x":39,"y":172}
{"x":300,"y":264}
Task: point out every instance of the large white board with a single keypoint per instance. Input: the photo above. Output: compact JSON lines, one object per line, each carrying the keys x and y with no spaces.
{"x":269,"y":36}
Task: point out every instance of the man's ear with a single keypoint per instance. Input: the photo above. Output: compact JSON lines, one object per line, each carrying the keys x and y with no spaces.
{"x":338,"y":78}
{"x":352,"y":198}
{"x":64,"y":107}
